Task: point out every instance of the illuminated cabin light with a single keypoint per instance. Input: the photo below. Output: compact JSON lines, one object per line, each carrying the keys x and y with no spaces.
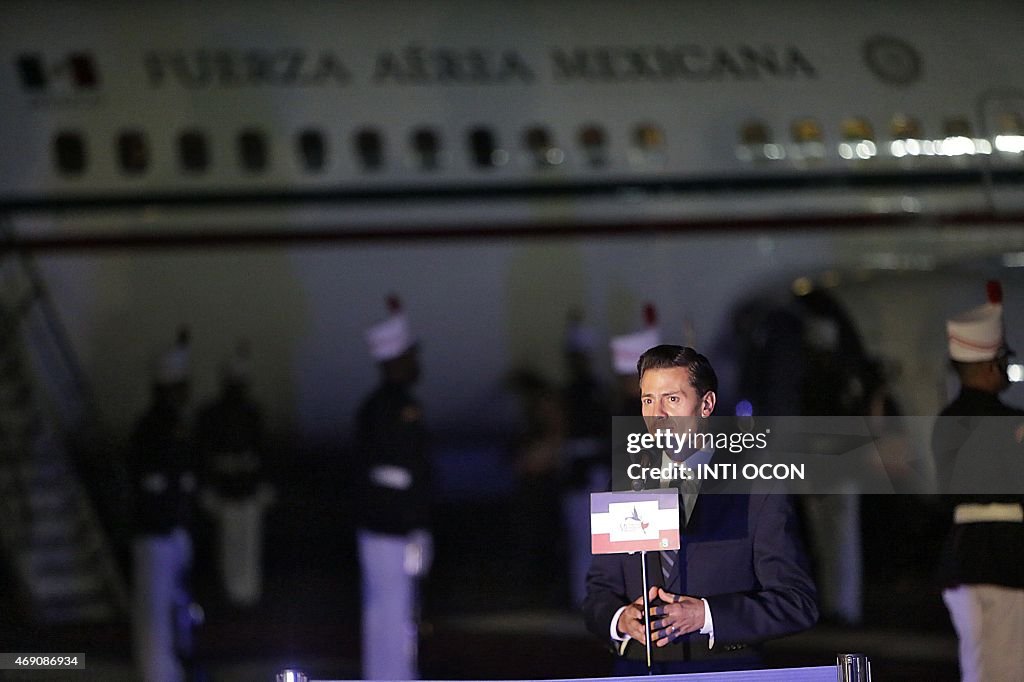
{"x":1010,"y":144}
{"x":808,"y":139}
{"x":541,"y":147}
{"x":956,"y":146}
{"x":866,"y":149}
{"x":755,"y":143}
{"x":648,"y":145}
{"x":1010,"y":139}
{"x":906,"y":137}
{"x":858,"y":139}
{"x":802,"y":286}
{"x":1014,"y":259}
{"x":499,"y":157}
{"x":1015,"y":373}
{"x":483,"y":148}
{"x":983,"y":146}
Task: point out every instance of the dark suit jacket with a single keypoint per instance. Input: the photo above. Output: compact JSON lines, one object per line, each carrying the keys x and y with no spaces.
{"x":743,"y":554}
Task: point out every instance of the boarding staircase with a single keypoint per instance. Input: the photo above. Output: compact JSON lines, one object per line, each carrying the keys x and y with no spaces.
{"x":51,"y":537}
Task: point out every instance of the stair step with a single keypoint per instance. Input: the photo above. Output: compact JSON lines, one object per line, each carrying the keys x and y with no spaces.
{"x":52,"y":530}
{"x":56,"y":558}
{"x":41,"y":474}
{"x":61,"y":586}
{"x":50,"y":500}
{"x":89,"y":612}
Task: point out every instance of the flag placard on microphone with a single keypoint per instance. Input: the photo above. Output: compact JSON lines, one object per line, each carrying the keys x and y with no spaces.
{"x":645,"y":521}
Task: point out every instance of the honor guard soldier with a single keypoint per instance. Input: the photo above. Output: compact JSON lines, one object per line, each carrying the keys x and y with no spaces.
{"x":626,"y":350}
{"x":586,"y":448}
{"x":395,"y":544}
{"x":164,"y":484}
{"x":982,"y":567}
{"x":230,"y":438}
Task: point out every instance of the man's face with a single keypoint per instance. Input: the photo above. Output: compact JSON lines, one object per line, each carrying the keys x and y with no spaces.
{"x":669,"y":401}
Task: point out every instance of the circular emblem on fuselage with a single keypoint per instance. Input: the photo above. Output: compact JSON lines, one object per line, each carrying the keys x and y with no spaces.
{"x":892,"y":60}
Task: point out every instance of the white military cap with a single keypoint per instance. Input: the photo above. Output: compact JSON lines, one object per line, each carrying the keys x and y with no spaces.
{"x":172,"y":367}
{"x":627,"y":349}
{"x":392,"y":337}
{"x":977,"y":334}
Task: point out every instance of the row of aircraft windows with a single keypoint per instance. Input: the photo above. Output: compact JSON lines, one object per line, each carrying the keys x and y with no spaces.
{"x":134,"y":155}
{"x":858,"y":140}
{"x":425,"y":145}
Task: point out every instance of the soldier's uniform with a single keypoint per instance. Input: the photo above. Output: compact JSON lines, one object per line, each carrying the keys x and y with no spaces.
{"x":164,"y":483}
{"x":982,"y":566}
{"x":586,"y":451}
{"x":230,"y":435}
{"x":394,"y":511}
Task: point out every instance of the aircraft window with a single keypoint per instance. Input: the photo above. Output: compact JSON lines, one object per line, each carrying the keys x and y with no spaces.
{"x":905,"y":128}
{"x":648,"y":138}
{"x":755,"y":133}
{"x":1011,"y":123}
{"x":252,"y":151}
{"x":648,"y":144}
{"x":312,"y":151}
{"x":595,"y":145}
{"x":1010,"y":139}
{"x":370,"y":149}
{"x":858,"y":139}
{"x":958,"y":139}
{"x":193,"y":151}
{"x":426,"y":145}
{"x":808,"y":139}
{"x":33,"y":75}
{"x":756,"y":143}
{"x":484,"y":149}
{"x":542,"y":147}
{"x":906,"y":137}
{"x":956,"y":127}
{"x":83,"y":70}
{"x":133,"y":152}
{"x":70,"y":154}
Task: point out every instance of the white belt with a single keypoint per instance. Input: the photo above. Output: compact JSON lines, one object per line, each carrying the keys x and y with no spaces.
{"x":390,"y":476}
{"x":984,"y":513}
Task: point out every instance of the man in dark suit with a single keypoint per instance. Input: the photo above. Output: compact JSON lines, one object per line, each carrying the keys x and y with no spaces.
{"x":740,"y":576}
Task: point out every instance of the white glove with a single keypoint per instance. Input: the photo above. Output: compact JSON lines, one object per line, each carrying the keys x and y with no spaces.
{"x":419,"y":553}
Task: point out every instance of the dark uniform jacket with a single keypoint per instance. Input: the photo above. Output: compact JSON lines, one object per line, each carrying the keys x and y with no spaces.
{"x":163,"y":471}
{"x":391,"y":446}
{"x":978,"y":553}
{"x":230,"y":434}
{"x":744,"y":555}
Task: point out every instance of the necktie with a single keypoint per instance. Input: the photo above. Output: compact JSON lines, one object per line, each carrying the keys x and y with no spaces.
{"x":669,"y":557}
{"x":668,"y":562}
